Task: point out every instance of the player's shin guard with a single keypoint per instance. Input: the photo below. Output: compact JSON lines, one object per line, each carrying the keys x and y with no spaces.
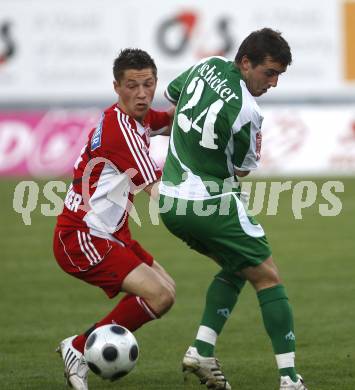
{"x":278,"y":322}
{"x":221,"y":298}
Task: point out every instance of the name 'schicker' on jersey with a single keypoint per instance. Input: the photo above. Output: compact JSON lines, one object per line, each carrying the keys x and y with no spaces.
{"x":218,"y":85}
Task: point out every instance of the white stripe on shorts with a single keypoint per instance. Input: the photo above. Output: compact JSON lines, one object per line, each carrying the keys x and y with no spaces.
{"x":83,"y":249}
{"x":88,"y":237}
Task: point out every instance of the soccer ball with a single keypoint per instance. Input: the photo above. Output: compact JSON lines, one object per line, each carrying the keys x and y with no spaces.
{"x":111,"y":351}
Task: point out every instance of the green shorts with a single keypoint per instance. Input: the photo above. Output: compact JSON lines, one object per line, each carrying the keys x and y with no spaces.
{"x":218,"y":227}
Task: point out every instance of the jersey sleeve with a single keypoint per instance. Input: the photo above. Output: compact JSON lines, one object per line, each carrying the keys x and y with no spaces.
{"x":126,"y":150}
{"x":247,"y":145}
{"x":174,"y":89}
{"x":158,"y":119}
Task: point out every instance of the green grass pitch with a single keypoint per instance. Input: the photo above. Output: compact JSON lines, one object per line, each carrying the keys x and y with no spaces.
{"x":40,"y":305}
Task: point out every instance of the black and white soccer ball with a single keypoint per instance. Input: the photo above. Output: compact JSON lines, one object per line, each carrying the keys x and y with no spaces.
{"x":111,"y":351}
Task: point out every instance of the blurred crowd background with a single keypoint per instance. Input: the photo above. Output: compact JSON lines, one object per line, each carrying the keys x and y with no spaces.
{"x":56,"y":75}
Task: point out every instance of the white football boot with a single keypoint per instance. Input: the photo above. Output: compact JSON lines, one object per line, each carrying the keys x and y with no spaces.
{"x":207,"y":369}
{"x":75,"y":368}
{"x":286,"y":383}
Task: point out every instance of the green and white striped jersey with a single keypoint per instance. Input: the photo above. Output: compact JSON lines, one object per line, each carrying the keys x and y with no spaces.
{"x":216,"y":129}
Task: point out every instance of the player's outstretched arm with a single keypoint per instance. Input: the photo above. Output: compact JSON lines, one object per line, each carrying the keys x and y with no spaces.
{"x":167,"y":129}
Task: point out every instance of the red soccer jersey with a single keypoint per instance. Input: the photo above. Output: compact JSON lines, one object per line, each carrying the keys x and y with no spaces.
{"x":114,"y":161}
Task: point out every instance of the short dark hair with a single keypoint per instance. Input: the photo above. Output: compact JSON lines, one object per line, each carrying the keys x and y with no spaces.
{"x":262,"y":43}
{"x":132,"y":59}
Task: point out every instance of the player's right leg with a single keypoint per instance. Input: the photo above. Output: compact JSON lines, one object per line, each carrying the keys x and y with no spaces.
{"x":286,"y":383}
{"x":221,"y":296}
{"x":278,"y":320}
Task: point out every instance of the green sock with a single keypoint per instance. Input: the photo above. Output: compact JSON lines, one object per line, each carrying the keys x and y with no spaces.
{"x":278,"y":322}
{"x":221,"y":298}
{"x":203,"y":348}
{"x":290,"y":371}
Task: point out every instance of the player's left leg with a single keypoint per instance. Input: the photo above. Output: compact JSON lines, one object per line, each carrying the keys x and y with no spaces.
{"x":76,"y":369}
{"x":147,"y":258}
{"x":128,"y":268}
{"x":221,"y":296}
{"x":164,"y":275}
{"x":148,"y":298}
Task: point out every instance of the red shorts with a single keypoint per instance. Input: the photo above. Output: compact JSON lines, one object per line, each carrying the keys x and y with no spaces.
{"x":96,"y":260}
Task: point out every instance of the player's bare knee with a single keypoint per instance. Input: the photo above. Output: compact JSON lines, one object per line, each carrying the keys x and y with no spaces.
{"x":164,"y":299}
{"x":267,"y":282}
{"x":268,"y":279}
{"x":168,"y":297}
{"x":263,"y":276}
{"x":172,"y":284}
{"x":171,"y":287}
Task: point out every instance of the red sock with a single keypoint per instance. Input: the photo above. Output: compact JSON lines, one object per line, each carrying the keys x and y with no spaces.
{"x":79,"y":341}
{"x":131,"y":312}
